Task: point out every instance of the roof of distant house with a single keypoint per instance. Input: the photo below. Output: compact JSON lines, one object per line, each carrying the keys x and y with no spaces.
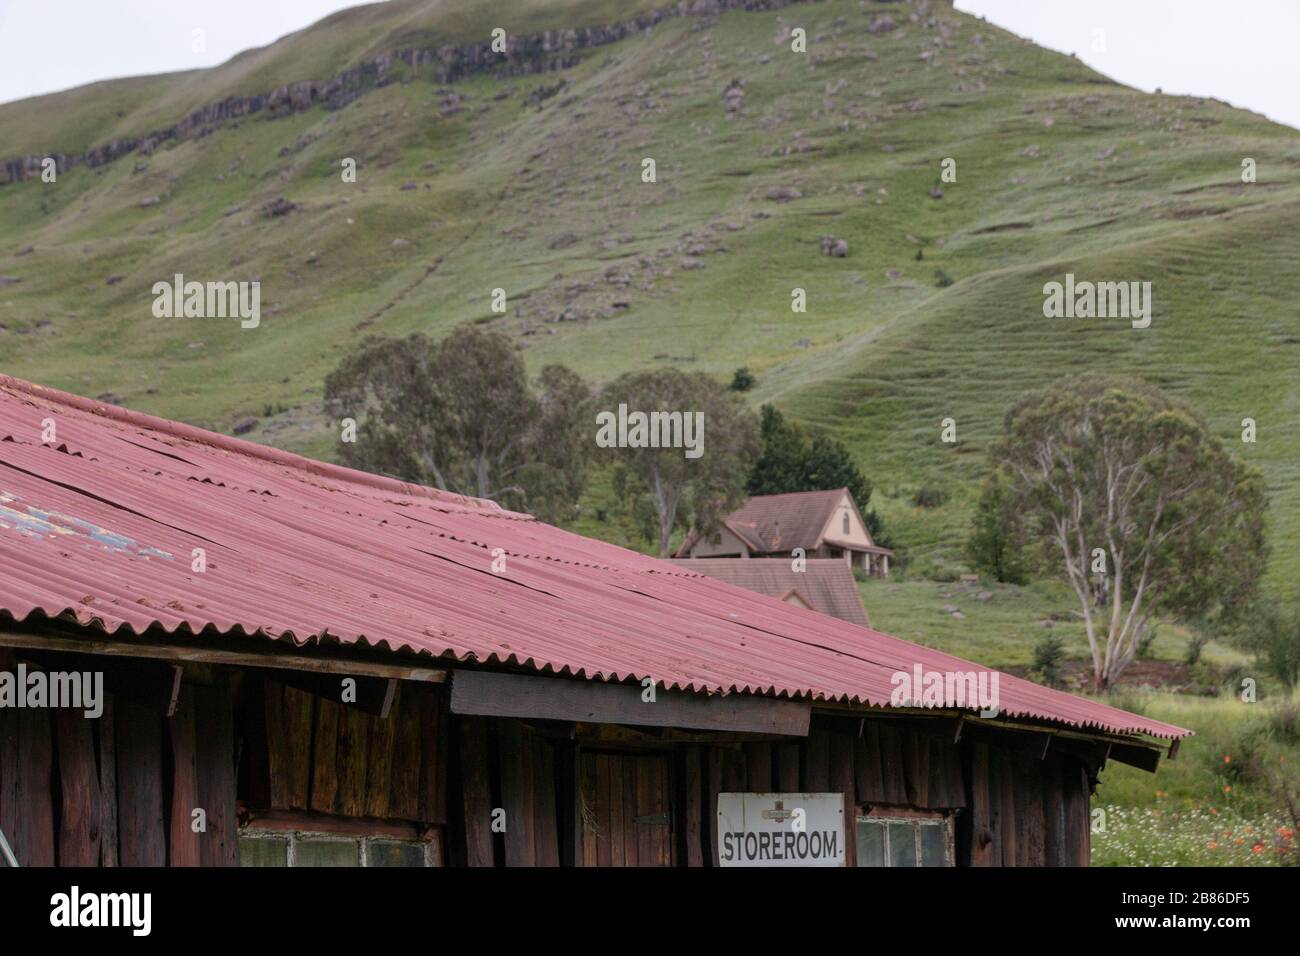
{"x":824,"y":584}
{"x":780,"y":523}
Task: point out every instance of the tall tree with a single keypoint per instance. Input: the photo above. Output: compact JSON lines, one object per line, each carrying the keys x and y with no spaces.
{"x":791,"y":460}
{"x":1144,"y":510}
{"x":996,"y":544}
{"x":682,"y":490}
{"x":459,"y":414}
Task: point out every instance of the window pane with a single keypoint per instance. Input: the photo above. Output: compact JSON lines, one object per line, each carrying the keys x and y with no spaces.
{"x":393,"y":853}
{"x":871,"y":844}
{"x":326,"y":853}
{"x":933,"y":849}
{"x":263,"y":851}
{"x":902,"y":844}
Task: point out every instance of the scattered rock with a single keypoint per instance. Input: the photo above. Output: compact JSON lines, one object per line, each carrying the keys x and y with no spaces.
{"x":936,"y":193}
{"x":232,"y":210}
{"x":563,"y":241}
{"x":407,"y":187}
{"x":148,"y":201}
{"x":783,"y":193}
{"x":885,"y":24}
{"x":278,"y":207}
{"x":24,"y":251}
{"x":401,"y":243}
{"x":836,"y":248}
{"x":111,"y":398}
{"x":9,"y":280}
{"x":984,"y":596}
{"x":114,"y":280}
{"x":734,"y":97}
{"x":244,"y":425}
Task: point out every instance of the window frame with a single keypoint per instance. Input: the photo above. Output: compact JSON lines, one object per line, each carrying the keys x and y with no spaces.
{"x":917,"y":819}
{"x":295,"y":828}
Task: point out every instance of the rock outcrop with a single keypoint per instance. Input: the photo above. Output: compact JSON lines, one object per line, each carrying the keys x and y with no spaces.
{"x":535,"y":53}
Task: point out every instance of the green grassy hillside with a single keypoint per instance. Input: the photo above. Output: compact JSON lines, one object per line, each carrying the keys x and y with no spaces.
{"x":533,"y":184}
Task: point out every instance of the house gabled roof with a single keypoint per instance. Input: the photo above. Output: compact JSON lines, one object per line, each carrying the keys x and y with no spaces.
{"x":102,"y":528}
{"x":825,"y":584}
{"x":770,"y":524}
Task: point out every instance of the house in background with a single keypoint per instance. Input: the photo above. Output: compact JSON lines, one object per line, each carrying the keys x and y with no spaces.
{"x":825,"y":584}
{"x":825,"y":524}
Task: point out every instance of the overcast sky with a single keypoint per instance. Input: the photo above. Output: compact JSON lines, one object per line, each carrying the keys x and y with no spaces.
{"x":1242,"y":51}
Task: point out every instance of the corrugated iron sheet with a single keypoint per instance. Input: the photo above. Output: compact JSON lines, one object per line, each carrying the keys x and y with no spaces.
{"x":102,"y":525}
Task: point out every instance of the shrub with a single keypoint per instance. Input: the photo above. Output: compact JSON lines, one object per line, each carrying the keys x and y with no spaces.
{"x":742,"y":380}
{"x":925,"y":497}
{"x":1049,"y":652}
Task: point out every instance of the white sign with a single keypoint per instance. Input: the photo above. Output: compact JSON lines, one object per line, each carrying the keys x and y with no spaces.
{"x":781,"y":829}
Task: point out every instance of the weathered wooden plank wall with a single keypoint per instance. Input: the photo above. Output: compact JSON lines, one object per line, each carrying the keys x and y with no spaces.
{"x":1025,"y":809}
{"x":310,"y":751}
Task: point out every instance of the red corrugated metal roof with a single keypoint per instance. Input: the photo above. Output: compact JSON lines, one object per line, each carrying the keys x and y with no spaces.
{"x":102,"y":525}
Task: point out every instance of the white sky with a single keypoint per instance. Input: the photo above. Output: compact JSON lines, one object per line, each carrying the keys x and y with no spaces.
{"x":1242,"y":51}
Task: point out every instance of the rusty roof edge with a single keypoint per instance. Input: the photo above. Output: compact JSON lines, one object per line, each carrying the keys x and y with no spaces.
{"x":856,"y":703}
{"x":250,"y":449}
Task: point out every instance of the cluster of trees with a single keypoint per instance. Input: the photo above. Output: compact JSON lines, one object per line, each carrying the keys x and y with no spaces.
{"x":462,"y":415}
{"x":1112,"y":485}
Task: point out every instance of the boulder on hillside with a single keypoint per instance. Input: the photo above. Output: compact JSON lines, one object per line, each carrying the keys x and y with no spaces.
{"x":783,"y":193}
{"x":278,"y":207}
{"x":836,"y":248}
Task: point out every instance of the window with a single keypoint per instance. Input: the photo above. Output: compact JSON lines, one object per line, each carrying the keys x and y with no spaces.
{"x":912,"y":840}
{"x":297,"y":848}
{"x":846,"y":522}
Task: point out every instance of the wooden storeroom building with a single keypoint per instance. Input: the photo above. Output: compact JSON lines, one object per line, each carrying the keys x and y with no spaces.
{"x":214,"y":653}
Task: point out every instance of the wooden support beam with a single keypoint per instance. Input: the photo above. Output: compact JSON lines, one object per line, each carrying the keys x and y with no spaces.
{"x":488,"y":694}
{"x":314,"y":660}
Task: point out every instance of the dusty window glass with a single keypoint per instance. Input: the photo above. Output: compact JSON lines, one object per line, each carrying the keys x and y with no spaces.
{"x":394,"y":853}
{"x":871,"y":843}
{"x":263,"y":851}
{"x":902,"y":844}
{"x":934,"y":850}
{"x":326,"y":853}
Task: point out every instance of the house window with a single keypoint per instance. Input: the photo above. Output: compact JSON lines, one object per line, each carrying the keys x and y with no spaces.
{"x":846,"y":522}
{"x":912,"y":840}
{"x":302,"y":848}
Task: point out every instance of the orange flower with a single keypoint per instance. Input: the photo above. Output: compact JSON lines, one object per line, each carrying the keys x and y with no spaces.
{"x":1227,"y":758}
{"x":1212,"y":845}
{"x":1257,"y":848}
{"x":1227,"y":788}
